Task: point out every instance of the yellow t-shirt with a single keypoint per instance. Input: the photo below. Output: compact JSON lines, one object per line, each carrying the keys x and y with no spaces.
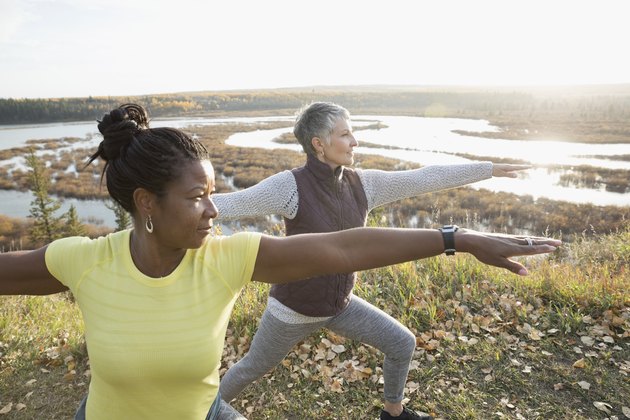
{"x":155,"y":345}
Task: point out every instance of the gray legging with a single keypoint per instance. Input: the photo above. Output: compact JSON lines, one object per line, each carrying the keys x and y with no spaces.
{"x":360,"y":321}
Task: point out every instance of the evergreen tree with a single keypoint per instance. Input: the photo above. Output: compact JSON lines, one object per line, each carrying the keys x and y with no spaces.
{"x":73,"y":227}
{"x":46,"y":226}
{"x":123,"y":218}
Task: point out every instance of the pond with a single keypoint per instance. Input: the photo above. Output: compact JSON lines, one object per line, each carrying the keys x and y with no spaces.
{"x":421,"y":140}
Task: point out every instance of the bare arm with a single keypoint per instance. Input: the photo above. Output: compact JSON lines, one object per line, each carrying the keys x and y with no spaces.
{"x":25,"y":273}
{"x":301,"y":256}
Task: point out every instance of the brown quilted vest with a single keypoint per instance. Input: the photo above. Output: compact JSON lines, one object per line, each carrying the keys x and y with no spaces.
{"x":328,"y":202}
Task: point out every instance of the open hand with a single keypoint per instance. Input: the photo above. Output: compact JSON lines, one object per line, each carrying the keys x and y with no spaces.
{"x":507,"y":170}
{"x":496,"y":249}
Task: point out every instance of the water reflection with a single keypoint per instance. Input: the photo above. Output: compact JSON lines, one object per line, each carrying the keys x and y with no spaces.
{"x":432,"y":141}
{"x":18,"y":204}
{"x":421,"y":140}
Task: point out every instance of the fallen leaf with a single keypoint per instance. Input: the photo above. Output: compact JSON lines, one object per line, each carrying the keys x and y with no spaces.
{"x":602,"y":406}
{"x":584,"y":385}
{"x":6,"y":408}
{"x":338,"y":348}
{"x":626,"y":411}
{"x":618,"y":321}
{"x":335,"y":386}
{"x":432,"y":345}
{"x":579,"y":364}
{"x":20,"y":406}
{"x":587,"y":341}
{"x":30,"y":382}
{"x":559,"y":386}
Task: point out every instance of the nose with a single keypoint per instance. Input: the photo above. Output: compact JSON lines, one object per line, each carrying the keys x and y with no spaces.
{"x":211,"y":210}
{"x":354,"y":142}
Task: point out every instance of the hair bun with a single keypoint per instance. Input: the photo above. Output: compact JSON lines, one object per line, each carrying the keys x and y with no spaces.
{"x":119,"y":127}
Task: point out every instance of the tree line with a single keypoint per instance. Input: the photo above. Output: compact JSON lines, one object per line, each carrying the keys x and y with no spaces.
{"x":599,"y":105}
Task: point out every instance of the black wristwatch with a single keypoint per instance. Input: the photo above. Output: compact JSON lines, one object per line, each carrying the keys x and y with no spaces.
{"x":448,"y":234}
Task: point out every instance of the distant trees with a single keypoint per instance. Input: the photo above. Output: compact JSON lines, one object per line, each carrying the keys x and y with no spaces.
{"x":72,"y":226}
{"x":46,"y":225}
{"x":122,"y":216}
{"x":606,"y":105}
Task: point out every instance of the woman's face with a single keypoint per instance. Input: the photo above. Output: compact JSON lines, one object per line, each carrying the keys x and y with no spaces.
{"x":183,"y":218}
{"x":338,"y":150}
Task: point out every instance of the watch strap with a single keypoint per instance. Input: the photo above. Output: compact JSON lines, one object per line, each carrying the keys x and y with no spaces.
{"x":448,"y":235}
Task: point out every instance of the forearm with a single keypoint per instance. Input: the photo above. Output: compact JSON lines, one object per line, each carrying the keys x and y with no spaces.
{"x":301,"y":256}
{"x":382,"y":187}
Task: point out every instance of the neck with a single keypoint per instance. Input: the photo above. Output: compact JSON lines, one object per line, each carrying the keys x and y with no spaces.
{"x":149,"y":259}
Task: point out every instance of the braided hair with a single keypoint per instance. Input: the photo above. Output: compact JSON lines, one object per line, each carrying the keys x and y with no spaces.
{"x":137,"y":156}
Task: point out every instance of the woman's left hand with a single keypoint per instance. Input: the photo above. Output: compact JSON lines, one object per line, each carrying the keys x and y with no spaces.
{"x":497,"y":249}
{"x":506,"y":170}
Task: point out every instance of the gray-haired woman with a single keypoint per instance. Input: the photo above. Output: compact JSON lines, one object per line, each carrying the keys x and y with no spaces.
{"x":325,"y":195}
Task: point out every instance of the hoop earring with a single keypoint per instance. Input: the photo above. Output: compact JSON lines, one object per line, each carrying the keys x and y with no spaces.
{"x":148,"y":225}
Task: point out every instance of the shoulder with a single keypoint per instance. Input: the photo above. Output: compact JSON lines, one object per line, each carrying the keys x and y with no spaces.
{"x":68,"y":258}
{"x":238,"y":242}
{"x":110,"y":241}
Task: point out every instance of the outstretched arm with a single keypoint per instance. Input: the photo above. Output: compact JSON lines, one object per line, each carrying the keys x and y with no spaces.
{"x":25,"y":273}
{"x":274,"y":195}
{"x":382,"y":187}
{"x":301,"y":256}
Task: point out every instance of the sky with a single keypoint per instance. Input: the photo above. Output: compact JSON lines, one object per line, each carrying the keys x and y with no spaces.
{"x":78,"y":48}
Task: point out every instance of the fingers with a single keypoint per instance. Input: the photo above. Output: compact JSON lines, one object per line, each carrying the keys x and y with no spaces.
{"x":507,"y":170}
{"x":538,"y":245}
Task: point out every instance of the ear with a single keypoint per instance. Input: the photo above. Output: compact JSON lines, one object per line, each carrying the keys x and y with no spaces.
{"x":318,"y":145}
{"x":144,"y":201}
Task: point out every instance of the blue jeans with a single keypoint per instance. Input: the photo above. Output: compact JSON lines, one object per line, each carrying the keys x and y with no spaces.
{"x":213,"y":413}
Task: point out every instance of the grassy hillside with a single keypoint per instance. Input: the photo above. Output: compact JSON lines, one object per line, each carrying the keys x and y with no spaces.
{"x":553,"y":345}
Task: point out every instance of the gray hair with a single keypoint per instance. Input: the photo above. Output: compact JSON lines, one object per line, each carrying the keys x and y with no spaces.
{"x":317,"y":120}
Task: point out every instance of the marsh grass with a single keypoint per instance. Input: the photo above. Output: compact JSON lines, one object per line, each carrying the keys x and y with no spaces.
{"x":490,"y":344}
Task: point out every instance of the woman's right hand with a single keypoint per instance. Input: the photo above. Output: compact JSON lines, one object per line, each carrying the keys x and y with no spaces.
{"x":507,"y":170}
{"x":496,"y":249}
